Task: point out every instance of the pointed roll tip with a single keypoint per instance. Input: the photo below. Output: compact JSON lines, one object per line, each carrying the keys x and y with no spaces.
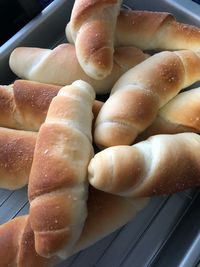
{"x":15,"y":60}
{"x":98,"y":176}
{"x":68,"y":33}
{"x":81,"y":85}
{"x":22,"y":60}
{"x":85,"y":86}
{"x":94,"y":56}
{"x":97,"y":71}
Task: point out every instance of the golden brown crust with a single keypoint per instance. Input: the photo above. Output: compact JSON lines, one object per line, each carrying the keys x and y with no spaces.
{"x":58,"y":174}
{"x":123,"y":57}
{"x":162,"y":73}
{"x":128,"y":117}
{"x":17,"y":238}
{"x":17,"y":245}
{"x":49,"y":141}
{"x":141,"y":92}
{"x":181,"y":36}
{"x":24,"y":104}
{"x":83,"y":8}
{"x":32,"y":99}
{"x":151,"y":30}
{"x":155,"y":30}
{"x":181,"y":114}
{"x":16,"y":154}
{"x":9,"y":241}
{"x":7,"y":106}
{"x":184,"y":109}
{"x":106,"y":213}
{"x":92,"y":27}
{"x":190,"y":61}
{"x":27,"y":255}
{"x":140,"y":27}
{"x":96,"y":55}
{"x":174,"y":151}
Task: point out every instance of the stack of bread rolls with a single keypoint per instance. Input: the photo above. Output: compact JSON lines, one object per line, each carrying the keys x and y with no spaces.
{"x":92,"y":165}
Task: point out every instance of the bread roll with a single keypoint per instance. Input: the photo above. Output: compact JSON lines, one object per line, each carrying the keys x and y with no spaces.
{"x":24,"y":104}
{"x":163,"y":164}
{"x":93,"y":29}
{"x":151,"y":30}
{"x":60,"y":65}
{"x":106,"y":213}
{"x":181,"y":114}
{"x":139,"y":94}
{"x":17,"y":248}
{"x":58,"y":186}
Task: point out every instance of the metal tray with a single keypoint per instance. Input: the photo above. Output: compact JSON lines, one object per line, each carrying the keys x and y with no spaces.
{"x":140,"y":243}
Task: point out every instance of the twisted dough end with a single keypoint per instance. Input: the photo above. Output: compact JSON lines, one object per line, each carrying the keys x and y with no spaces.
{"x":123,"y":116}
{"x":106,"y":174}
{"x":109,"y":134}
{"x":148,"y":168}
{"x":94,"y":51}
{"x":58,"y":187}
{"x":92,"y":29}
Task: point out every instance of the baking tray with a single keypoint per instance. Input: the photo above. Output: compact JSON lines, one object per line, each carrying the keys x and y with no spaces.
{"x":143,"y":241}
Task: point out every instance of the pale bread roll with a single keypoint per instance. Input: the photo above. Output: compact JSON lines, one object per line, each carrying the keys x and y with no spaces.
{"x":60,"y":66}
{"x":162,"y":164}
